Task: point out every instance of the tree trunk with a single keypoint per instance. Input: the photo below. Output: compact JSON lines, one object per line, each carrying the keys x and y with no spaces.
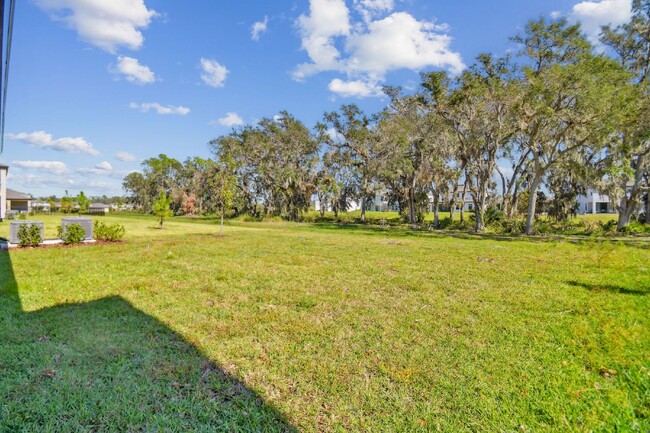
{"x":624,"y":213}
{"x":363,"y":209}
{"x":323,"y":206}
{"x":532,"y":201}
{"x":462,"y":203}
{"x":412,"y":219}
{"x":504,"y":190}
{"x":514,"y":202}
{"x":452,"y":207}
{"x":436,"y":211}
{"x":480,"y":223}
{"x":631,"y":201}
{"x":222,"y":213}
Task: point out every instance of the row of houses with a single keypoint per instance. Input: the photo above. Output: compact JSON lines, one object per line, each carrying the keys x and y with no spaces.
{"x":16,"y":201}
{"x":592,"y":202}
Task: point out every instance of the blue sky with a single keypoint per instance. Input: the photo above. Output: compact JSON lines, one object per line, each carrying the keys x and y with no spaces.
{"x":96,"y":86}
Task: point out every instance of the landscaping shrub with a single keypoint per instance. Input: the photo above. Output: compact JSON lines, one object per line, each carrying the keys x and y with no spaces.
{"x":108,"y":232}
{"x":29,"y":235}
{"x":73,"y":234}
{"x":22,"y":216}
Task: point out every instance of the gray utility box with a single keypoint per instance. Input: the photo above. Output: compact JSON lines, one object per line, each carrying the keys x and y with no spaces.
{"x":14,"y":226}
{"x":85,"y":223}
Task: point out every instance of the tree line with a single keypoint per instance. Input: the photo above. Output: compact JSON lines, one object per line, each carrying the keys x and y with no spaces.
{"x":561,"y":114}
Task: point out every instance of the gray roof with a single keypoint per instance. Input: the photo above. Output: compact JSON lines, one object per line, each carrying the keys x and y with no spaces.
{"x":17,"y":195}
{"x":98,"y":205}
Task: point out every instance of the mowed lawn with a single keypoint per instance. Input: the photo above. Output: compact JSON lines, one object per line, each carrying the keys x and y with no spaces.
{"x":296,"y":327}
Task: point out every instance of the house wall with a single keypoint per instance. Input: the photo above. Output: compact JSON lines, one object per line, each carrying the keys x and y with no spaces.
{"x":19,"y":205}
{"x":594,"y":202}
{"x":3,"y":192}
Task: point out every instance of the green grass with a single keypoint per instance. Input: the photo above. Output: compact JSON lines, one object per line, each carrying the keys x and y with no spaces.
{"x":281,"y":327}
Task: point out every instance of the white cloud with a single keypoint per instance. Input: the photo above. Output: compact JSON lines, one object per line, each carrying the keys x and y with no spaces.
{"x":366,"y":51}
{"x":370,"y":8}
{"x":327,"y":19}
{"x":104,"y":165}
{"x":44,"y":140}
{"x":214,"y":74}
{"x":230,"y":119}
{"x":259,"y":28}
{"x":556,"y":14}
{"x":400,"y":41}
{"x":54,"y":167}
{"x":103,"y":168}
{"x":134,"y":71}
{"x":124,"y":156}
{"x":107,"y":24}
{"x":334,"y":135}
{"x":160,"y":109}
{"x":358,"y":88}
{"x":595,"y":14}
{"x":46,"y":184}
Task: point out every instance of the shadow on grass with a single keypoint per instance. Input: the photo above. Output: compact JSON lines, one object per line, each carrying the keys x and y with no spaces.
{"x":643,"y":243}
{"x":107,"y":366}
{"x":609,"y":288}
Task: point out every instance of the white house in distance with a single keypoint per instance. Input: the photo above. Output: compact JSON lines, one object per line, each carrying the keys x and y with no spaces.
{"x":3,"y":191}
{"x":98,"y":208}
{"x":380,"y":202}
{"x":594,"y":202}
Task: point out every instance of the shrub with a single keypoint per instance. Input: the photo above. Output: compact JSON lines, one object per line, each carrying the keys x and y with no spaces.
{"x":29,"y":235}
{"x":22,"y":216}
{"x":463,"y":226}
{"x":108,"y":232}
{"x":73,"y":234}
{"x":635,"y":228}
{"x":511,"y":226}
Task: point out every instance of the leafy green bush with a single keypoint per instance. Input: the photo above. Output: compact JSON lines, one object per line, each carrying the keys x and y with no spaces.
{"x":635,"y":228}
{"x":463,"y":226}
{"x":29,"y":235}
{"x":22,"y":216}
{"x":73,"y":234}
{"x":108,"y":232}
{"x":512,"y":226}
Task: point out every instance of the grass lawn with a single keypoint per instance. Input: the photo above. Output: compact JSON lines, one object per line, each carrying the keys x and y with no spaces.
{"x":299,"y":327}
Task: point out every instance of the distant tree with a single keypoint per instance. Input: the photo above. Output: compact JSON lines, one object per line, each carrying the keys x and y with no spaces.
{"x":353,"y":146}
{"x":225,"y":183}
{"x":188,"y":204}
{"x":83,"y":202}
{"x":570,"y":99}
{"x":275,"y":163}
{"x":66,"y":204}
{"x":413,"y":140}
{"x":52,"y":202}
{"x":628,"y":164}
{"x":135,"y":186}
{"x":479,"y":110}
{"x":161,"y":207}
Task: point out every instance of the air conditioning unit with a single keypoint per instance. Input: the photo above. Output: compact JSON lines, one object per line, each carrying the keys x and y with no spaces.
{"x":85,"y":223}
{"x":14,"y":227}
